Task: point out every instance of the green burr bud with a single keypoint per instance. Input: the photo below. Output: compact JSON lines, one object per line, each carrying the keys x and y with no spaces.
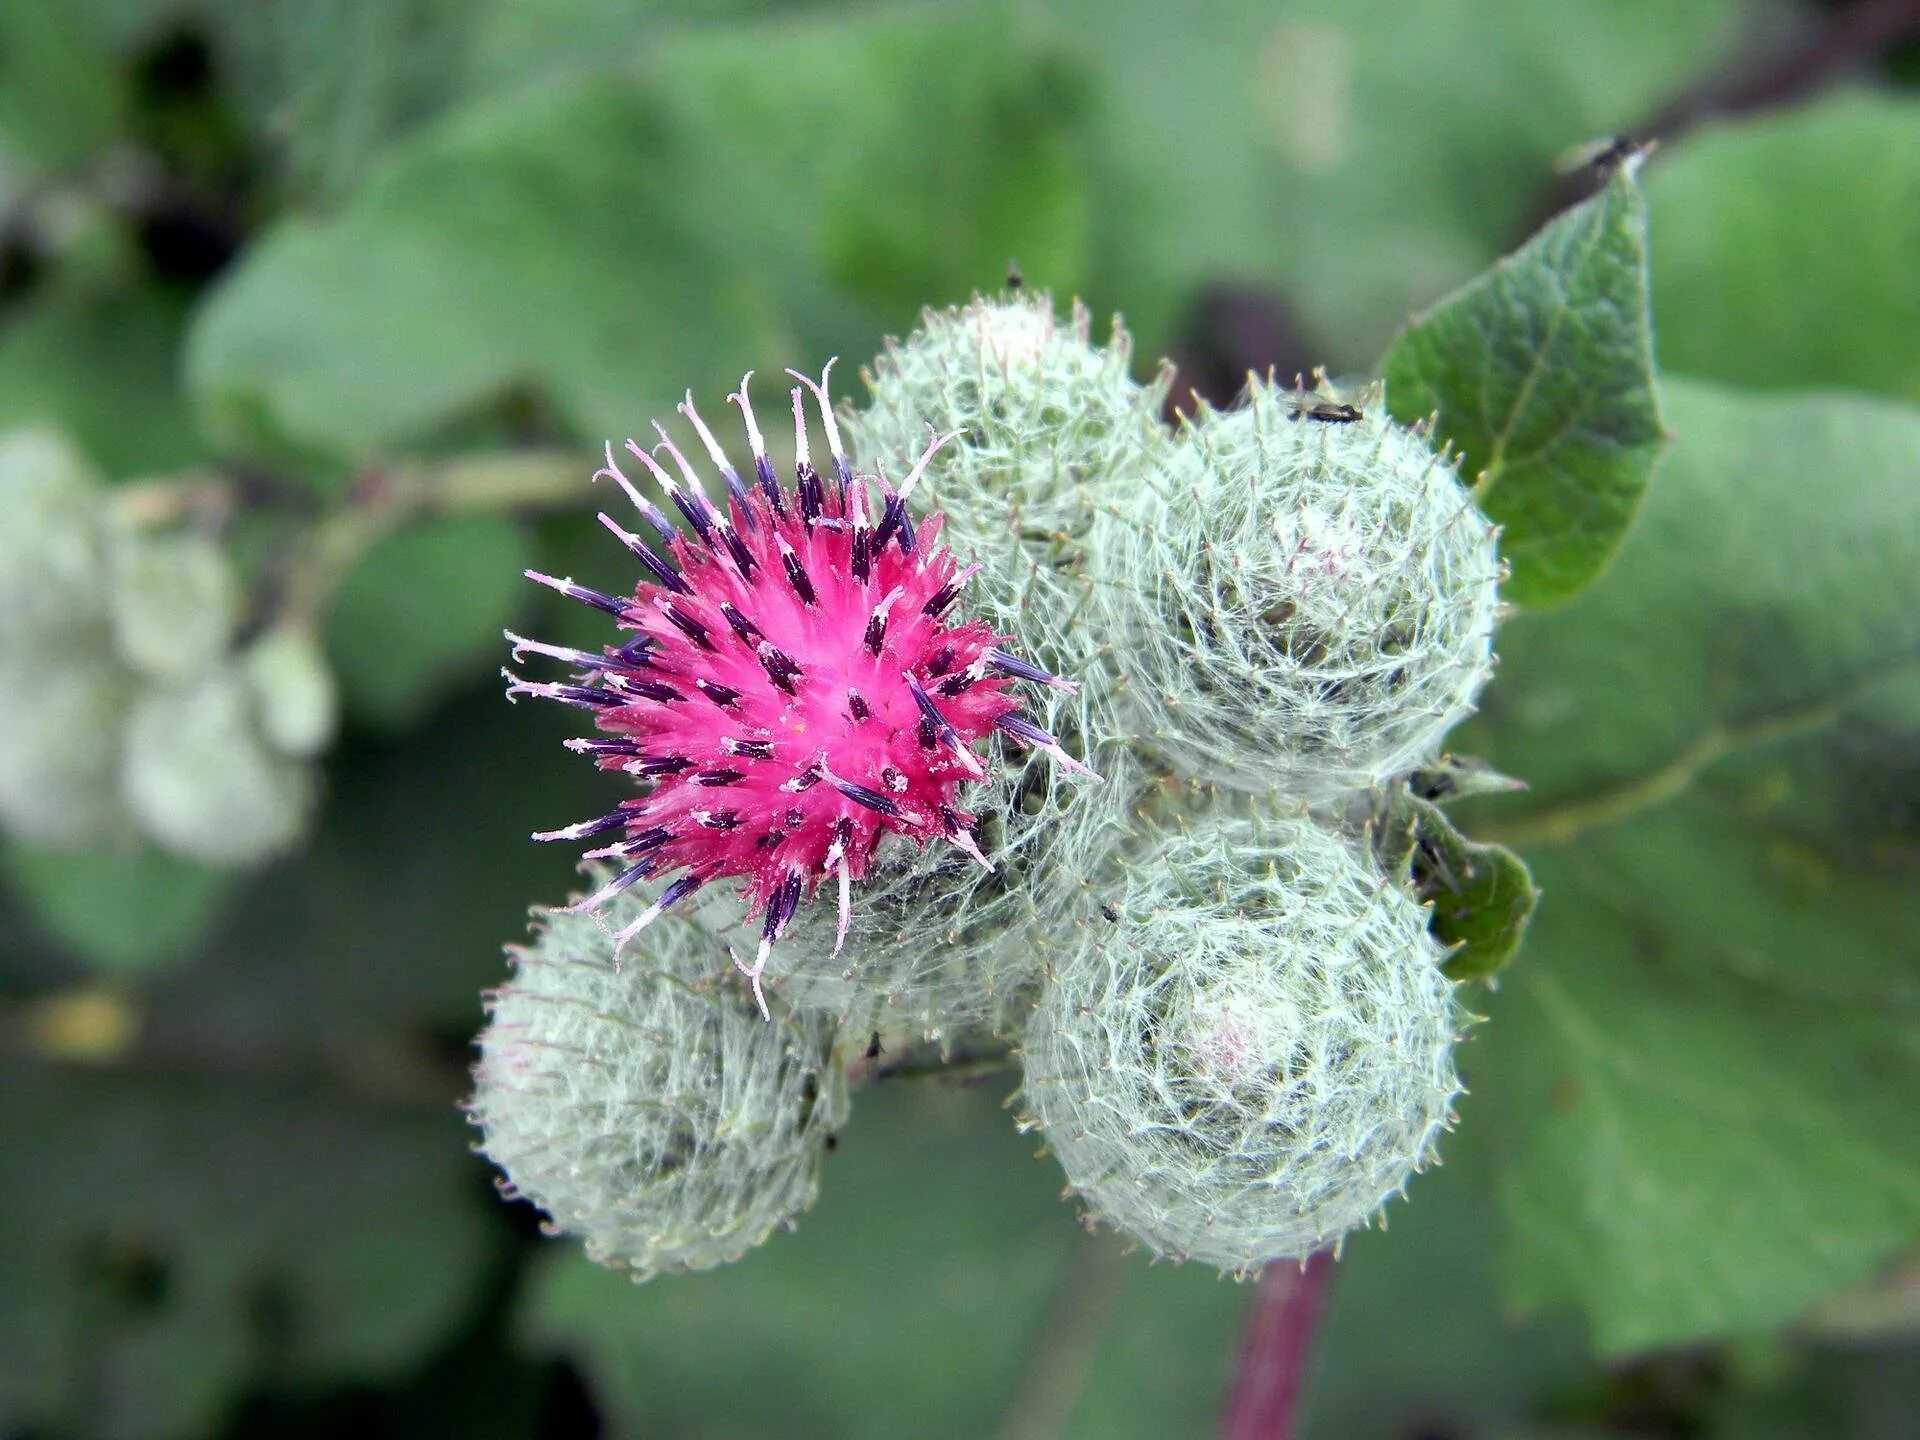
{"x":1326,"y":593}
{"x":1251,"y":1050}
{"x":1051,"y":425}
{"x":648,"y":1109}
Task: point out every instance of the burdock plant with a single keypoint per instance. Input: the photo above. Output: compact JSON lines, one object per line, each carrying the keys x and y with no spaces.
{"x":1114,"y":739}
{"x":1247,"y":1049}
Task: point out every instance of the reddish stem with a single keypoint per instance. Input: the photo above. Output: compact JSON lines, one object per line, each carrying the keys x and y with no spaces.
{"x":1273,"y":1355}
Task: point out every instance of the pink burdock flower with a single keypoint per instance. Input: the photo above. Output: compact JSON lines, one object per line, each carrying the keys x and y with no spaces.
{"x":796,"y":683}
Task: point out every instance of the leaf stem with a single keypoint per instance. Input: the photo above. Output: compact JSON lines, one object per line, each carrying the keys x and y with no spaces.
{"x":1265,"y":1401}
{"x":1084,"y":1306}
{"x":1568,"y":820}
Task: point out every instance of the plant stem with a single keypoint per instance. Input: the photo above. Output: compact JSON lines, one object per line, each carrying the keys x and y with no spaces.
{"x":960,"y":1061}
{"x":1265,"y":1400}
{"x":1084,"y":1306}
{"x":385,"y":501}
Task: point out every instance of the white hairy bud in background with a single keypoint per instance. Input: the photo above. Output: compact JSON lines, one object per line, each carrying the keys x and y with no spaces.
{"x":60,"y":729}
{"x":176,"y":603}
{"x":650,"y":1110}
{"x":126,"y":713}
{"x":52,"y":544}
{"x":202,"y":778}
{"x":1255,"y":1053}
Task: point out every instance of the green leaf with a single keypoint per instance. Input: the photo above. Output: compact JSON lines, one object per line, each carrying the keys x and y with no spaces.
{"x":56,"y":99}
{"x":174,"y":1239}
{"x":1706,"y":1068}
{"x":1414,"y":1323}
{"x":741,"y":195}
{"x":1541,"y":372}
{"x":119,"y":913}
{"x":1784,"y":245}
{"x":1482,"y":896}
{"x":423,"y":613}
{"x":100,"y":361}
{"x":955,"y":1278}
{"x":329,"y":83}
{"x":1360,"y":156}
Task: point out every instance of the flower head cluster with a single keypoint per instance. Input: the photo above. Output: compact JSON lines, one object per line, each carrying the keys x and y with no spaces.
{"x":1237,"y":1037}
{"x":796,"y":681}
{"x":127,"y":704}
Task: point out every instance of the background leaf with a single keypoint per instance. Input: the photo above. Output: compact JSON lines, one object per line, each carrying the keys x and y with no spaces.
{"x":423,"y":611}
{"x":1541,"y":372}
{"x":1704,"y":1062}
{"x":942,"y":1252}
{"x":1360,"y":157}
{"x":98,"y":359}
{"x":775,"y":188}
{"x":1783,"y":248}
{"x":167,"y":1218}
{"x":118,"y":912}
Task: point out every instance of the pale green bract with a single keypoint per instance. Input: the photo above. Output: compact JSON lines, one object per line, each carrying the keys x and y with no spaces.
{"x":650,"y":1110}
{"x":1325,"y":592}
{"x":1256,"y":1054}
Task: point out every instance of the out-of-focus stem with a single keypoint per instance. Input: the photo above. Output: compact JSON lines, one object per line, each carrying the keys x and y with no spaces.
{"x":384,"y":501}
{"x":961,"y":1060}
{"x":1265,"y":1401}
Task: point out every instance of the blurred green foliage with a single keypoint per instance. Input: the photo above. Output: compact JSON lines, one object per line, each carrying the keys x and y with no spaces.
{"x":306,"y":238}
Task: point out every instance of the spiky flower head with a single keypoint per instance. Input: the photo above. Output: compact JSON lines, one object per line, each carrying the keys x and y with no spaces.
{"x":1052,"y":421}
{"x":1328,"y":592}
{"x":1255,"y":1053}
{"x":1048,"y":426}
{"x":647,"y":1109}
{"x":940,"y":945}
{"x":797,"y":681}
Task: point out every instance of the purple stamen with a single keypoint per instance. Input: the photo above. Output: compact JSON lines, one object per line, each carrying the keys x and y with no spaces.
{"x":619,"y":609}
{"x":656,"y":564}
{"x":1008,"y":664}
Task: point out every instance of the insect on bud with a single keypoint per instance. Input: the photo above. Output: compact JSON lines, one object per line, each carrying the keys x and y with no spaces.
{"x":1327,"y":591}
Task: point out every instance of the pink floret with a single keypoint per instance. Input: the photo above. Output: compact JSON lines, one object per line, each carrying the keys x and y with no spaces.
{"x":793,"y":684}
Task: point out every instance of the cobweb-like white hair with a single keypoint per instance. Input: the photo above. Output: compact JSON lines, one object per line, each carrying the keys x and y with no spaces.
{"x":1051,"y":422}
{"x":1255,"y":1053}
{"x":940,"y":943}
{"x":1327,"y":593}
{"x":649,"y":1109}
